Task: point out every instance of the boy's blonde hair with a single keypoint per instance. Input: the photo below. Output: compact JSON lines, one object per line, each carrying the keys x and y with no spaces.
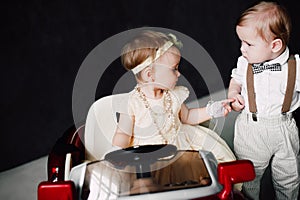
{"x":141,"y":47}
{"x":271,"y":20}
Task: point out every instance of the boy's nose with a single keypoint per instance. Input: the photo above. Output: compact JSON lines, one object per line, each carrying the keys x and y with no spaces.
{"x":242,"y":49}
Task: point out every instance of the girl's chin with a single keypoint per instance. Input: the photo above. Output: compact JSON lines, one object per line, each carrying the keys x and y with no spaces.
{"x":166,"y":87}
{"x":172,"y":87}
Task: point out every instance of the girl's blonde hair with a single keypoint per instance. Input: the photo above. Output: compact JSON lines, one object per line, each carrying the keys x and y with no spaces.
{"x":271,"y":21}
{"x":141,"y":47}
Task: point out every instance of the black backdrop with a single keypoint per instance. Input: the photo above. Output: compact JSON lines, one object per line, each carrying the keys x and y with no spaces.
{"x":43,"y":44}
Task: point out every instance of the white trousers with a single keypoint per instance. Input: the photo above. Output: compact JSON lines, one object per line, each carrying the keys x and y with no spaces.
{"x":265,"y":139}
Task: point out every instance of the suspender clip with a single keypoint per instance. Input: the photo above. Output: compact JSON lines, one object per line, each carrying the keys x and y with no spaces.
{"x":254,"y":117}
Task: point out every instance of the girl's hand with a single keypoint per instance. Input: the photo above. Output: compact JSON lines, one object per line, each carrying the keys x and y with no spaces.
{"x":219,"y":108}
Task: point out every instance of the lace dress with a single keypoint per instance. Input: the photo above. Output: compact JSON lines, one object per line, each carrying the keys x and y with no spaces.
{"x":158,"y":125}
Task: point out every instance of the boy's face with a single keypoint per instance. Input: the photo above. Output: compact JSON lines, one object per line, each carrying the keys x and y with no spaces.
{"x":166,"y":69}
{"x":253,"y":47}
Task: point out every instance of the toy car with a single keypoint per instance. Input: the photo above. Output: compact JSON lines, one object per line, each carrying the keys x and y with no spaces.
{"x":76,"y":169}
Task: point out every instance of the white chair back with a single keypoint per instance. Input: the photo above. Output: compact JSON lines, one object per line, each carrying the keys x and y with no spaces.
{"x":101,"y":124}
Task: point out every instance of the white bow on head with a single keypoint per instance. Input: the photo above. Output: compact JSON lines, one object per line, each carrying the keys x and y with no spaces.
{"x":173,"y":41}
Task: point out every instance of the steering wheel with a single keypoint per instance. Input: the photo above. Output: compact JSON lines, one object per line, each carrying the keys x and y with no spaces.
{"x":140,"y":156}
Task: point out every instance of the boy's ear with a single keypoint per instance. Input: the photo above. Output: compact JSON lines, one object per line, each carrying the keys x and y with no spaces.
{"x":276,"y":45}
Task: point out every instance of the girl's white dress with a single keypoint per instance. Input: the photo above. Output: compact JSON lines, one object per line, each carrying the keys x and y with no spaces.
{"x":185,"y":136}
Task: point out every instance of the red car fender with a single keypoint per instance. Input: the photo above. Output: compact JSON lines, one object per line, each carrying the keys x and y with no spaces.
{"x":60,"y":190}
{"x":230,"y":173}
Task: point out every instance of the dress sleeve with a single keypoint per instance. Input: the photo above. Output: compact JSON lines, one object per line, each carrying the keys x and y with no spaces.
{"x":181,"y":93}
{"x":238,"y":73}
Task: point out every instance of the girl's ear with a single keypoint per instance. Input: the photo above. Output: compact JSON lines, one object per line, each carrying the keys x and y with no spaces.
{"x":276,"y":45}
{"x":147,"y":74}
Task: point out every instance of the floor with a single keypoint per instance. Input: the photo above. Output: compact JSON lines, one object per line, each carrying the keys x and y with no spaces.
{"x":21,"y":183}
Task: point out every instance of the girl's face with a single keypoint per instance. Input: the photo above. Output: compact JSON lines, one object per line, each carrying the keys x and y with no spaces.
{"x":253,"y":47}
{"x":165,"y":72}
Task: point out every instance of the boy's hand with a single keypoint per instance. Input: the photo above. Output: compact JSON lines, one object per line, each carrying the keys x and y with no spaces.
{"x":234,"y":91}
{"x":238,"y":104}
{"x":226,"y":104}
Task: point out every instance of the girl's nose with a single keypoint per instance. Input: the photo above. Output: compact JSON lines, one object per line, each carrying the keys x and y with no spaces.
{"x":178,"y":73}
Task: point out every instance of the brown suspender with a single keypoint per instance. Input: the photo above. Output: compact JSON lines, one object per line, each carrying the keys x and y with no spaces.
{"x":251,"y":93}
{"x":289,"y":88}
{"x":290,"y":84}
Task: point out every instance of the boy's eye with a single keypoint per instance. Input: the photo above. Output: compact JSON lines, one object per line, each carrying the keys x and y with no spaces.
{"x":248,"y":44}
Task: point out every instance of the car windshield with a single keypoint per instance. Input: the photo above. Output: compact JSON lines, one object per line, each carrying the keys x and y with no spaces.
{"x":184,"y":170}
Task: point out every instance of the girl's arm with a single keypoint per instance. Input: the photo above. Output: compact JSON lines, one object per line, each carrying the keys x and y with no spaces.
{"x":193,"y":116}
{"x":198,"y":115}
{"x":124,"y":131}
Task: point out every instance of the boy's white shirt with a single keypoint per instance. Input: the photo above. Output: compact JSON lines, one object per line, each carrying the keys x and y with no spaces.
{"x":269,"y":86}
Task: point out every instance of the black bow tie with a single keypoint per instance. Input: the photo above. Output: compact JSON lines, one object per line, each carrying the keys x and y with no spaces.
{"x":258,"y":68}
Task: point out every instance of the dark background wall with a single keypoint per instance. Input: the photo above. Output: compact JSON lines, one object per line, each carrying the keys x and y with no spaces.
{"x":43,"y":44}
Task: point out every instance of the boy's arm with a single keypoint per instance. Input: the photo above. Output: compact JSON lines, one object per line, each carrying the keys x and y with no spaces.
{"x":124,"y":131}
{"x":234,"y":91}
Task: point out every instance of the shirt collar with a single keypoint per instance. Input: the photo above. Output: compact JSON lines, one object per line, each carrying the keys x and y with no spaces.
{"x":282,"y":59}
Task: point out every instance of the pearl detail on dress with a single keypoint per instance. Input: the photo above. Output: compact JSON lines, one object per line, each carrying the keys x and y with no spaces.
{"x":167,"y":110}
